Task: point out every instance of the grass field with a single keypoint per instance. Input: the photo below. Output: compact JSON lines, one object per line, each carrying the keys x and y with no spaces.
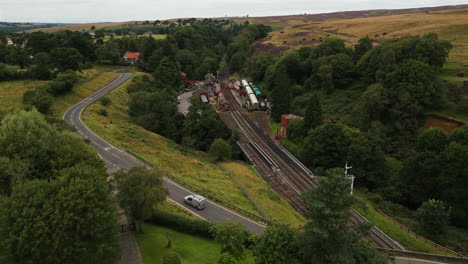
{"x":94,"y":79}
{"x":194,"y":167}
{"x":270,"y":201}
{"x":190,"y":249}
{"x":11,"y":93}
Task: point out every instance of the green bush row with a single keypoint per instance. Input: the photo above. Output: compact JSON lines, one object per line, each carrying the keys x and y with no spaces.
{"x":182,"y":223}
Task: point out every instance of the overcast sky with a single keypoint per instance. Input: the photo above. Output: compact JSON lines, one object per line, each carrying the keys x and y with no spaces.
{"x":85,"y":11}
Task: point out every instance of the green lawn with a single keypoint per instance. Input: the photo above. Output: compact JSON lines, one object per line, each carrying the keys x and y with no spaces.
{"x":191,"y":249}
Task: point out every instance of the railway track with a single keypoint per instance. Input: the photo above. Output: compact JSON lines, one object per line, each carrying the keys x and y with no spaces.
{"x":290,"y":178}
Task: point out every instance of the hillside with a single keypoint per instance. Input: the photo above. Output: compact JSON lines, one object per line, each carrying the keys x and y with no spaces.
{"x":274,"y":21}
{"x":450,"y":25}
{"x":15,"y":27}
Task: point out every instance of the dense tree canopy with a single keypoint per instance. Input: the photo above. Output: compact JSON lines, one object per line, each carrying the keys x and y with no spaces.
{"x":56,"y":204}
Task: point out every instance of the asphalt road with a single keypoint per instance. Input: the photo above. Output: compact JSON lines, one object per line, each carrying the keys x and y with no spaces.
{"x":116,"y":159}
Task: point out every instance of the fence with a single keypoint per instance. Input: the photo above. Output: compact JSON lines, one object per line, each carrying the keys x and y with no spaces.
{"x":424,"y":256}
{"x":199,"y":191}
{"x":425,"y":240}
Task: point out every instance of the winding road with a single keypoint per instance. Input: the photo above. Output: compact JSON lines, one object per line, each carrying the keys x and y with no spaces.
{"x":116,"y":159}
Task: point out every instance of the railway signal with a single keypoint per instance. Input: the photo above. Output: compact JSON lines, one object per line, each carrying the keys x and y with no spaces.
{"x":349,"y":177}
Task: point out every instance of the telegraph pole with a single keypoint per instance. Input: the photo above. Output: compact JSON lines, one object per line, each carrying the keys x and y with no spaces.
{"x":349,"y":177}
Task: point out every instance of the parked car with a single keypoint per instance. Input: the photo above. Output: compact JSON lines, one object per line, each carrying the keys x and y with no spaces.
{"x":196,"y":201}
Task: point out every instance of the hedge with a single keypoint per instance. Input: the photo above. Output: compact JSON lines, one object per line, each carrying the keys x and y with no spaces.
{"x":182,"y":223}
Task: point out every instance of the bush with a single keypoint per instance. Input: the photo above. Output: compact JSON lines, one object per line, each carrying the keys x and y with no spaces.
{"x":102,"y":112}
{"x":220,"y":150}
{"x":182,"y":224}
{"x":105,"y":101}
{"x":226,"y":258}
{"x":171,"y":258}
{"x":63,"y":83}
{"x":40,"y":99}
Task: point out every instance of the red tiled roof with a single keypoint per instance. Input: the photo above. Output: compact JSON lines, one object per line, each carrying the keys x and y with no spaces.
{"x":132,"y":55}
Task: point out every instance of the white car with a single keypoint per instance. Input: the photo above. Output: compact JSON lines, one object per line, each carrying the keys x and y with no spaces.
{"x":196,"y":201}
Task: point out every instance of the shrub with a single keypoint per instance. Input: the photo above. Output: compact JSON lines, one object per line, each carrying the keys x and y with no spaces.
{"x":171,"y":258}
{"x":105,"y":101}
{"x":220,"y":150}
{"x":102,"y":112}
{"x":226,"y":258}
{"x":40,"y":99}
{"x":182,"y":223}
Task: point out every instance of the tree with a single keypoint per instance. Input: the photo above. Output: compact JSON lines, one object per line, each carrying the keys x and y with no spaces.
{"x":66,"y":59}
{"x":326,"y":238}
{"x":433,"y":140}
{"x":433,"y":218}
{"x":330,"y":46}
{"x":232,"y":237}
{"x":460,"y":135}
{"x":171,"y":258}
{"x":237,"y":61}
{"x":277,"y":245}
{"x":363,"y":46}
{"x":71,"y":219}
{"x":140,"y":191}
{"x":325,"y":75}
{"x":168,"y":73}
{"x":326,"y":146}
{"x":93,"y":27}
{"x":154,"y":111}
{"x":415,"y":78}
{"x":27,"y":137}
{"x":220,"y":150}
{"x":451,"y":181}
{"x":313,"y":115}
{"x":40,"y":99}
{"x":296,"y":130}
{"x":281,"y":94}
{"x":42,"y":66}
{"x":368,"y":160}
{"x":257,"y":64}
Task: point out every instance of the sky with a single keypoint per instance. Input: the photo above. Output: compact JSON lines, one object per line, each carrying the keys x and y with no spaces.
{"x":91,"y":11}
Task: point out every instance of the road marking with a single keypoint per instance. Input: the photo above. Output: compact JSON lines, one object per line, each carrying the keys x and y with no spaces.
{"x":115,"y":155}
